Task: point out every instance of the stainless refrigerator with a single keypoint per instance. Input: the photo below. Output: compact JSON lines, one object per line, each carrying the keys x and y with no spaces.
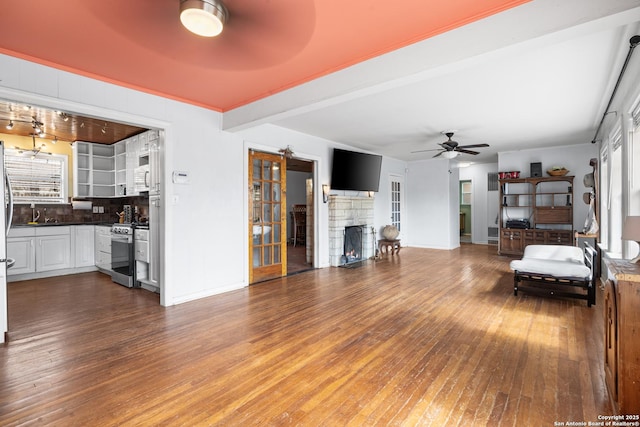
{"x":6,"y":215}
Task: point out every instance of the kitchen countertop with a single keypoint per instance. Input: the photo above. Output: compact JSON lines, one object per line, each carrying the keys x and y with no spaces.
{"x":53,"y":224}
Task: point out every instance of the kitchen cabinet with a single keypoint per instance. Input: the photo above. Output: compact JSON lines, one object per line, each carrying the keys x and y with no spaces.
{"x":109,"y":170}
{"x":103,"y":247}
{"x":40,"y":249}
{"x":94,"y":170}
{"x":147,"y":141}
{"x":21,"y":246}
{"x":53,"y":248}
{"x":155,"y":162}
{"x":547,"y":203}
{"x":622,"y":335}
{"x":120,"y":161}
{"x":142,"y":258}
{"x":154,"y":241}
{"x":82,"y":169}
{"x":132,"y":145}
{"x":84,"y":245}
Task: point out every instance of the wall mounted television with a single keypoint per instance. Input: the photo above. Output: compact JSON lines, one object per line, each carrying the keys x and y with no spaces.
{"x":355,"y":171}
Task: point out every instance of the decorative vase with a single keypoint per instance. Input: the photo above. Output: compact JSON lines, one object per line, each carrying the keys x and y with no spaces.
{"x":390,"y":232}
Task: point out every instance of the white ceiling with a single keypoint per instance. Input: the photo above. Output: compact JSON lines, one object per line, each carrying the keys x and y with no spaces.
{"x":534,"y":76}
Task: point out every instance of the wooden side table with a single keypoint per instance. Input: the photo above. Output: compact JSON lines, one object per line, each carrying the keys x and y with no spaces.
{"x":394,"y":245}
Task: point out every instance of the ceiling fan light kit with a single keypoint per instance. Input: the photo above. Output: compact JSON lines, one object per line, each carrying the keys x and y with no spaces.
{"x":450,"y":154}
{"x":205,"y":18}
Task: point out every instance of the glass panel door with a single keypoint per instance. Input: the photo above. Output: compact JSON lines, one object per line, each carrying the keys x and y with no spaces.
{"x":397,"y":202}
{"x":267,"y":226}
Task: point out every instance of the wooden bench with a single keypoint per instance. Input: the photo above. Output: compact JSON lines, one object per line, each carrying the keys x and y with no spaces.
{"x":393,"y":245}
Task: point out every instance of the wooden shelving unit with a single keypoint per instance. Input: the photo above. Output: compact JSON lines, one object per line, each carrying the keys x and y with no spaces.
{"x":547,"y":203}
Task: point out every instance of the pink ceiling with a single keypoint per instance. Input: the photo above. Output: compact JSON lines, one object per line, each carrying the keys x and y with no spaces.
{"x":266,"y":47}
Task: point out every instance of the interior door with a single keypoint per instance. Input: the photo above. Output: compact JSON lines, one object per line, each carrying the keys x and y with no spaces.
{"x":397,"y":202}
{"x":267,"y":216}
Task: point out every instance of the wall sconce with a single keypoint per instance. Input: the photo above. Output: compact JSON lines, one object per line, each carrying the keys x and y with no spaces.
{"x":325,"y":193}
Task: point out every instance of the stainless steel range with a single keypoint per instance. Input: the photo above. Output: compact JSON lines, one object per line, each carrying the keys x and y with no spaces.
{"x":122,"y":255}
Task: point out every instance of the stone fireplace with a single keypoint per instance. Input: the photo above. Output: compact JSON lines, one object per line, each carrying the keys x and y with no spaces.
{"x":349,"y":211}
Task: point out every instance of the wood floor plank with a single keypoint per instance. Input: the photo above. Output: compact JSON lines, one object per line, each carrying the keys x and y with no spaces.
{"x":427,"y":337}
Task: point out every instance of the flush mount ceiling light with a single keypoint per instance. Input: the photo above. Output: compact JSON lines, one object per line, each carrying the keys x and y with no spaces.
{"x":203,"y":17}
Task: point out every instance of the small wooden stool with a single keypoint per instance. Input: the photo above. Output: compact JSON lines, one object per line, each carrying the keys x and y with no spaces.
{"x":393,"y":244}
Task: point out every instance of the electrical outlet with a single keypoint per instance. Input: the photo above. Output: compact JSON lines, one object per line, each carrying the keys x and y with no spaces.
{"x":95,"y":209}
{"x":100,"y":209}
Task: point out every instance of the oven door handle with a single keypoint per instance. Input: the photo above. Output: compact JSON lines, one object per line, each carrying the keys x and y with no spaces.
{"x":125,"y":239}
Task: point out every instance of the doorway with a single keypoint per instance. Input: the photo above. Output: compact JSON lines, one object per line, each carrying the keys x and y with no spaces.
{"x":465,"y":211}
{"x":301,"y":215}
{"x":397,"y":210}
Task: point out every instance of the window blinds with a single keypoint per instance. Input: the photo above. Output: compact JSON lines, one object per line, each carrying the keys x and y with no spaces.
{"x":635,"y":114}
{"x":616,"y":139}
{"x":36,"y":180}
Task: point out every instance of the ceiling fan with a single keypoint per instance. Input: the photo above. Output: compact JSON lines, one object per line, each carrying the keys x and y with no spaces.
{"x":451,"y":149}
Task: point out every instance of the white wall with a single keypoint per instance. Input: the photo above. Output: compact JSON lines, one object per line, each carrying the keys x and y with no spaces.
{"x":433,"y":203}
{"x":573,"y":157}
{"x":484,"y":203}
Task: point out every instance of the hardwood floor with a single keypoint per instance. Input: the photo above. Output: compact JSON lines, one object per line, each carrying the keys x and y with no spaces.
{"x":297,"y":259}
{"x":426,"y":337}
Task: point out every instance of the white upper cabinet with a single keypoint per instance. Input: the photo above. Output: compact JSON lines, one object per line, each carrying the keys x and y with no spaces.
{"x":94,"y":170}
{"x":109,"y":170}
{"x":133,"y":145}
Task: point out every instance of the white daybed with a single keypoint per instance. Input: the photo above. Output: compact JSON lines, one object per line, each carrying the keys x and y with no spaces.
{"x":565,"y":271}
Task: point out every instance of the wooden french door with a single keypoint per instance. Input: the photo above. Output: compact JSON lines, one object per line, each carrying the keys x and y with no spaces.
{"x":267,"y":216}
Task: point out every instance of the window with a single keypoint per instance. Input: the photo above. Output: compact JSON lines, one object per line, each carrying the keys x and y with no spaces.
{"x":615,"y":194}
{"x":634,"y":169}
{"x":465,"y":192}
{"x":37,"y":179}
{"x":604,"y":197}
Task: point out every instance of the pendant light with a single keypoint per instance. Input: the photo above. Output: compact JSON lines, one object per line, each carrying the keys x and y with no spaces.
{"x":205,"y":18}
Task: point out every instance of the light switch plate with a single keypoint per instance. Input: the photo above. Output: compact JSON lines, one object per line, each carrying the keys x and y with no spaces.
{"x":100,"y":209}
{"x":95,"y":209}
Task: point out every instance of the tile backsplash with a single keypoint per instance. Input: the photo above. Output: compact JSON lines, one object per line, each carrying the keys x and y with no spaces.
{"x":22,"y":213}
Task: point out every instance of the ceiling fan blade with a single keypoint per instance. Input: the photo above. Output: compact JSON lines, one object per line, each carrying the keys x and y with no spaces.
{"x":439,"y":154}
{"x":423,"y":151}
{"x":473,"y":146}
{"x":467,"y":151}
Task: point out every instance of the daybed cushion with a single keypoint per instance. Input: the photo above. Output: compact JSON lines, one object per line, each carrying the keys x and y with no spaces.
{"x":552,"y":260}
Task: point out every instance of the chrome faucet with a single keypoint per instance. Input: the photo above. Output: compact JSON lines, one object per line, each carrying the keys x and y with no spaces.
{"x":35,"y":215}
